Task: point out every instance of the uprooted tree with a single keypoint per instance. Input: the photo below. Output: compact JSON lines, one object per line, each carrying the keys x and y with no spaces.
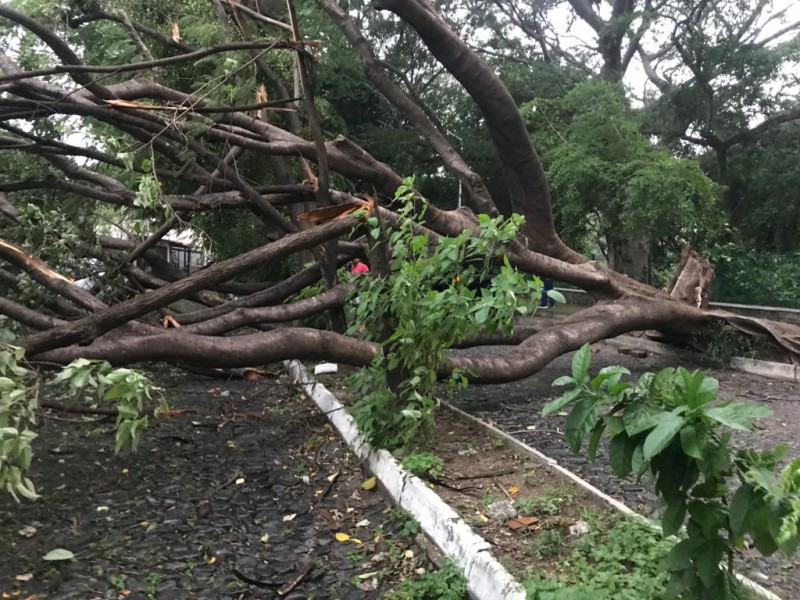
{"x":150,"y":149}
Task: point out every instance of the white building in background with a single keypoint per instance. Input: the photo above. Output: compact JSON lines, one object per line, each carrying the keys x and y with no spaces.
{"x":183,"y":250}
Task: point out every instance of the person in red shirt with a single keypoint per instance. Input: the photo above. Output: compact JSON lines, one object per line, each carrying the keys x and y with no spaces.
{"x":359,"y":267}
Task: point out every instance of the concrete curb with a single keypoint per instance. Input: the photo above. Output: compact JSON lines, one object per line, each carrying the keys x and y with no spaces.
{"x":486,"y":578}
{"x":763,"y":368}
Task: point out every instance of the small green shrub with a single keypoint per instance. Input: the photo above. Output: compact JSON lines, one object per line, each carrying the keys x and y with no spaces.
{"x":672,"y":425}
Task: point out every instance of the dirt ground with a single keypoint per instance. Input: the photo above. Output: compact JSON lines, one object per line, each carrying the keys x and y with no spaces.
{"x":516,"y":408}
{"x":239,"y":497}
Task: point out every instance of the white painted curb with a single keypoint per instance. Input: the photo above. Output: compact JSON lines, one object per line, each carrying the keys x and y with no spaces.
{"x":765,"y":368}
{"x":773,"y":370}
{"x":486,"y":578}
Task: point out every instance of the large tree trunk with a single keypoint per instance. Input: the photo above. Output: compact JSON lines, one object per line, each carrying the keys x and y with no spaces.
{"x":630,"y":256}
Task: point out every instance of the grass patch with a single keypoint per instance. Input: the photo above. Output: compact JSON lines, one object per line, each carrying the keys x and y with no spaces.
{"x":620,"y":563}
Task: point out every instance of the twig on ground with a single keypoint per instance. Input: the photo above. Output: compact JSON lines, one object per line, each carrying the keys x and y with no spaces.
{"x":485,"y":475}
{"x":294,"y":582}
{"x":79,"y":410}
{"x":504,"y":490}
{"x":251,"y":581}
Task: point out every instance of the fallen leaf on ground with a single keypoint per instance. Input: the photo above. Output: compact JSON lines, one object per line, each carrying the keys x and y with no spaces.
{"x":290,"y":517}
{"x":369,"y":484}
{"x":264,"y":538}
{"x":27,"y":531}
{"x":59,"y":554}
{"x":24,"y":577}
{"x":342,"y":537}
{"x":513,"y":489}
{"x":212,"y":560}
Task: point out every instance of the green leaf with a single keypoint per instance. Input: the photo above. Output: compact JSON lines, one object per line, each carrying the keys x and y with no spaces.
{"x":638,"y":463}
{"x":706,"y":392}
{"x":594,"y":441}
{"x":580,"y":421}
{"x":680,"y":557}
{"x":563,"y":380}
{"x":557,"y":296}
{"x":620,"y":451}
{"x":739,"y":508}
{"x":59,"y":554}
{"x":738,"y":415}
{"x":673,"y":517}
{"x":759,"y":527}
{"x":581,"y":362}
{"x":707,"y":565}
{"x":614,"y":424}
{"x":641,"y":417}
{"x":609,"y":375}
{"x":662,"y":435}
{"x":561,"y":401}
{"x":692,"y":440}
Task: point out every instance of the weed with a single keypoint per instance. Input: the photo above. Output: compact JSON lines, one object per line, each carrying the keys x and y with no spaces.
{"x":489,"y":499}
{"x":623,"y":563}
{"x":550,"y":503}
{"x":152,"y":579}
{"x":424,"y":464}
{"x":446,"y":584}
{"x":546,"y":544}
{"x":118,"y":581}
{"x":498,"y":442}
{"x":406,"y":524}
{"x":356,"y":558}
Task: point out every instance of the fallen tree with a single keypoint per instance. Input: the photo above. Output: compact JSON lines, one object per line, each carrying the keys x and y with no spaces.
{"x":193,"y":145}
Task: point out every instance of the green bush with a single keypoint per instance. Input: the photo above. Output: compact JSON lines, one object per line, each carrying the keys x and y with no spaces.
{"x":753,"y":277}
